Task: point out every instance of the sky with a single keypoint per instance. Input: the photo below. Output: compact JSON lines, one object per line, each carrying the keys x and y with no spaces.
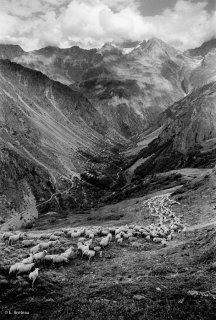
{"x":34,"y":24}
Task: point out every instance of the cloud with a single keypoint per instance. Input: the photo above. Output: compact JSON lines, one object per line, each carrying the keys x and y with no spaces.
{"x":90,"y":23}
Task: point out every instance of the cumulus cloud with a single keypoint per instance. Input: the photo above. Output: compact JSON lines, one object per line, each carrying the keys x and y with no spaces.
{"x":90,"y":23}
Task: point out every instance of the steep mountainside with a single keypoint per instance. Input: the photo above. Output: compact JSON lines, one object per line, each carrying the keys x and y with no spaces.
{"x":186,"y":138}
{"x":10,"y":51}
{"x":49,"y":136}
{"x":129,"y":83}
{"x":203,"y":50}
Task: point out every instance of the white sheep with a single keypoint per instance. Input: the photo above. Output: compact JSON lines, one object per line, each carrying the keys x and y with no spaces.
{"x":39,"y":256}
{"x":158,"y":240}
{"x":59,"y":259}
{"x":53,"y":237}
{"x":45,"y":245}
{"x":28,"y":260}
{"x":68,"y":253}
{"x":137,"y":245}
{"x":49,"y":257}
{"x":59,"y":233}
{"x":164,"y":242}
{"x":14,"y":267}
{"x":35,"y":249}
{"x":6,"y":235}
{"x":104,"y":242}
{"x":53,"y":243}
{"x":90,"y":254}
{"x":120,"y":241}
{"x":25,"y":268}
{"x":34,"y":275}
{"x":97,"y":248}
{"x":15,"y":238}
{"x":27,"y":243}
{"x":82,"y":239}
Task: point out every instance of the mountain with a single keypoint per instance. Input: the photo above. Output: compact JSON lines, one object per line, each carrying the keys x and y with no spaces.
{"x":185,"y":137}
{"x":130,"y":88}
{"x":203,"y":50}
{"x":50,"y":135}
{"x":146,"y":110}
{"x":64,"y":65}
{"x":135,"y":87}
{"x":10,"y":51}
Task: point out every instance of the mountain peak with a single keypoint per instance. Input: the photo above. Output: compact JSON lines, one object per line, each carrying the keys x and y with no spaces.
{"x":155,"y":47}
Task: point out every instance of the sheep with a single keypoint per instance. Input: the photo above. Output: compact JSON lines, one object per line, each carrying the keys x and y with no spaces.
{"x":45,"y":245}
{"x":59,"y":259}
{"x":104,"y":242}
{"x":27,"y":243}
{"x":75,"y":234}
{"x":82,"y":248}
{"x":90,"y":254}
{"x":157,"y":240}
{"x":164,"y":242}
{"x":82,"y":239}
{"x":53,"y":237}
{"x":28,"y":260}
{"x":120,"y":241}
{"x":109,"y":236}
{"x":104,"y":232}
{"x":118,"y":236}
{"x":39,"y":256}
{"x":25,"y":268}
{"x":15,"y":238}
{"x":15,"y":267}
{"x":35,"y":249}
{"x":34,"y":275}
{"x":97,"y":249}
{"x":136,"y":245}
{"x":68,"y":253}
{"x":169,"y":238}
{"x":53,"y":243}
{"x":132,"y":239}
{"x":7,"y":235}
{"x":49,"y":257}
{"x":59,"y":233}
{"x":88,"y":243}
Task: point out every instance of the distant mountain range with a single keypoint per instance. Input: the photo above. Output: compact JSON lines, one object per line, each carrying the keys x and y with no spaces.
{"x":76,"y":123}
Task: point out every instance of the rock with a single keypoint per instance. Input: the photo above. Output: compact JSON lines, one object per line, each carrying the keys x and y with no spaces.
{"x":139,"y":297}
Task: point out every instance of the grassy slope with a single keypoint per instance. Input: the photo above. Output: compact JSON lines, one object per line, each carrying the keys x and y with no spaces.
{"x":107,"y":288}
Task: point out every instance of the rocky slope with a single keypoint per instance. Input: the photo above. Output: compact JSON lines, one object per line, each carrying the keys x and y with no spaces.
{"x":50,"y":135}
{"x":185,"y":137}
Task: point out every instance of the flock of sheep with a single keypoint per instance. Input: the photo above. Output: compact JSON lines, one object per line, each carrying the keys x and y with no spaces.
{"x":91,"y":241}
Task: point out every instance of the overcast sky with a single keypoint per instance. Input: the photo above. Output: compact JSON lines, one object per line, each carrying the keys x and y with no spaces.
{"x":90,"y":23}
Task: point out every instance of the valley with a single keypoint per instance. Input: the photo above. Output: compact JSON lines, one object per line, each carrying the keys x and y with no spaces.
{"x":101,"y":139}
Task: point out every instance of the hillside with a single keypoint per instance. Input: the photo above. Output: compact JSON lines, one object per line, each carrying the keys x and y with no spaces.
{"x":49,"y":135}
